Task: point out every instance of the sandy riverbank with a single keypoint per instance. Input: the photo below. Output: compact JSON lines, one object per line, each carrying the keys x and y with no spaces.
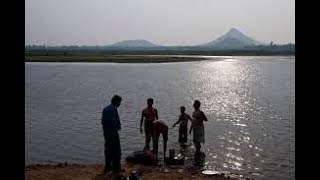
{"x":93,"y":172}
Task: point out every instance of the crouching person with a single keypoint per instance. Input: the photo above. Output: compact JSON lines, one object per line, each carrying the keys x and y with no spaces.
{"x":160,"y":128}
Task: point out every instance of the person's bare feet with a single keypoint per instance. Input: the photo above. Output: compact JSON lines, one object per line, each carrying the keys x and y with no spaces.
{"x":107,"y":172}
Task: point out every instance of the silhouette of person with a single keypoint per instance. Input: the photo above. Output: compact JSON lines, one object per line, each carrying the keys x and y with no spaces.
{"x":111,"y":125}
{"x":160,"y":128}
{"x":149,"y":114}
{"x":183,"y":129}
{"x":197,"y":126}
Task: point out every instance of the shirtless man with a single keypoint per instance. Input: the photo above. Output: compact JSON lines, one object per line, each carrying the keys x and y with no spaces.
{"x":149,"y":115}
{"x":197,"y":125}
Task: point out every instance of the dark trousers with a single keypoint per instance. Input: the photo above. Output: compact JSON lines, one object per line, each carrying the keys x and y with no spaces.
{"x":198,"y":146}
{"x":156,"y":136}
{"x":183,"y":134}
{"x":148,"y":129}
{"x":112,"y":150}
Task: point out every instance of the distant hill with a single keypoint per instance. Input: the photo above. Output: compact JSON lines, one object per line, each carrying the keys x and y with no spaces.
{"x":233,"y":39}
{"x":140,"y":43}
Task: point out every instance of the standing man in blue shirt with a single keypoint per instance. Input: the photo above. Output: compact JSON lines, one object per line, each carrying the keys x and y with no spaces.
{"x":111,"y":125}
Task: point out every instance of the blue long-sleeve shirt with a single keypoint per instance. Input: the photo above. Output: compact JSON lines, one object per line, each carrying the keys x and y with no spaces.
{"x":110,"y":118}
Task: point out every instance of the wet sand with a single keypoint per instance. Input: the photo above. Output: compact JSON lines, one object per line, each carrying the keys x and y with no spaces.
{"x":93,"y":172}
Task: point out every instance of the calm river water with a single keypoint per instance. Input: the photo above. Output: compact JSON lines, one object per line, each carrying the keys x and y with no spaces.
{"x":249,"y":102}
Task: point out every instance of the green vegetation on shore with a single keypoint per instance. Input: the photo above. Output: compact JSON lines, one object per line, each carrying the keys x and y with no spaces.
{"x":46,"y":55}
{"x":109,"y":58}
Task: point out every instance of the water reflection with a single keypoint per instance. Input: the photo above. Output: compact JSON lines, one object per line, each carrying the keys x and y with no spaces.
{"x":229,"y":86}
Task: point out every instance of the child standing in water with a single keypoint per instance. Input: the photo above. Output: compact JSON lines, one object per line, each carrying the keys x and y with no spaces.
{"x":197,"y":125}
{"x":183,"y":130}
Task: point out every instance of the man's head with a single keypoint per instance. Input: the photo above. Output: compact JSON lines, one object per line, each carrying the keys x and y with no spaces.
{"x":150,"y":102}
{"x":116,"y":100}
{"x":196,"y":104}
{"x":182,"y":109}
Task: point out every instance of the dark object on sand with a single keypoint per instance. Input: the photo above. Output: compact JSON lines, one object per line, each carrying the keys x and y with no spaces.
{"x":141,"y":157}
{"x":199,"y":158}
{"x":171,"y":154}
{"x":174,"y":161}
{"x":135,"y":175}
{"x":120,"y":177}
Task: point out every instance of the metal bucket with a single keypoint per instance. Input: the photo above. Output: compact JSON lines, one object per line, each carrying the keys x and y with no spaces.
{"x":171,"y":154}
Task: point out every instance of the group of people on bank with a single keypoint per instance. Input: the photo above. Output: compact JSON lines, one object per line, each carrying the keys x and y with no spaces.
{"x":153,"y":127}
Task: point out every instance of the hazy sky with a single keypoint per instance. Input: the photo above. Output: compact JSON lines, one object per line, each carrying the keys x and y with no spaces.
{"x":164,"y":22}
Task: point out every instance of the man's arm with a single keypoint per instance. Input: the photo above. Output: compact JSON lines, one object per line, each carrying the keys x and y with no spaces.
{"x":204,"y":116}
{"x":116,"y":120}
{"x":189,"y":118}
{"x":141,"y":122}
{"x":177,"y":122}
{"x":191,"y":127}
{"x":157,"y":115}
{"x":102,"y":117}
{"x":106,"y":123}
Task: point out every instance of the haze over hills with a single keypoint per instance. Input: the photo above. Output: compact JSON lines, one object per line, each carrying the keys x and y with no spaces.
{"x":232,"y":41}
{"x":133,"y":43}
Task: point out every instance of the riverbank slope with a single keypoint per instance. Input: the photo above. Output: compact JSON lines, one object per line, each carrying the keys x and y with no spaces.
{"x":93,"y":172}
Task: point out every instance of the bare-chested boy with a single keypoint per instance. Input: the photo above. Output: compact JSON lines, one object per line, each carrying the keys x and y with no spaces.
{"x":183,"y":129}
